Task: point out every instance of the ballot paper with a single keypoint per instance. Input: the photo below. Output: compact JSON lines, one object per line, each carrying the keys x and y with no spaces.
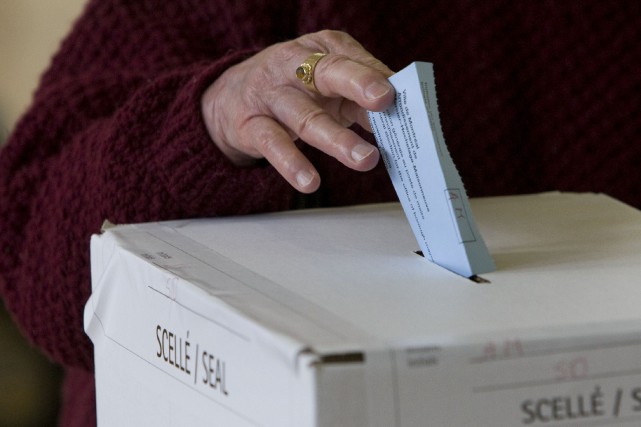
{"x":424,"y":176}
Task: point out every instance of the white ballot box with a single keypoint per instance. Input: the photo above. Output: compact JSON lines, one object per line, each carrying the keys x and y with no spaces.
{"x":328,"y":318}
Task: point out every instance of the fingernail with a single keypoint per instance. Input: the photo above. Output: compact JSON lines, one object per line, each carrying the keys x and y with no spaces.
{"x":361,"y":151}
{"x":303,"y":178}
{"x":377,"y":90}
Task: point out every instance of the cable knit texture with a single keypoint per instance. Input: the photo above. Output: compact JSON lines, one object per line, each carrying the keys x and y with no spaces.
{"x":534,"y":96}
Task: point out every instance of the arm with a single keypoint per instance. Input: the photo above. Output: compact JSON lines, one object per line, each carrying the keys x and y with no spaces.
{"x":114,"y":132}
{"x":146,"y":116}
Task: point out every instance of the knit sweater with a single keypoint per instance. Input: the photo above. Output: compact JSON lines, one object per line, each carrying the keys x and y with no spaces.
{"x":533,"y":96}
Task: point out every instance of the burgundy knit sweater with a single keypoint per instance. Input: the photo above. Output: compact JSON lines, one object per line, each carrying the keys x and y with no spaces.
{"x":533,"y":96}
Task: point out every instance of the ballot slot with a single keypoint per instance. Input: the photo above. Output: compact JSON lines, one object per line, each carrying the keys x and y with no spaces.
{"x":474,"y":278}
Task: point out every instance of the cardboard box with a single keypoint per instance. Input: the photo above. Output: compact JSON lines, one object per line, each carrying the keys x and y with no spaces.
{"x":328,"y":318}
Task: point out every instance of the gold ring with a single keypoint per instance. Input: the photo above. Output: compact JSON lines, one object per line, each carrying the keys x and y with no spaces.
{"x":305,"y":72}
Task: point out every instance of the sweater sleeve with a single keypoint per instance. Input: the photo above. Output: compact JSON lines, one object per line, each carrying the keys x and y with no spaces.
{"x":115,"y":132}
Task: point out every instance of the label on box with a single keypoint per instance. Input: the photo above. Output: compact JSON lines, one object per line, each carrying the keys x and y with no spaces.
{"x":588,"y":381}
{"x":428,"y":185}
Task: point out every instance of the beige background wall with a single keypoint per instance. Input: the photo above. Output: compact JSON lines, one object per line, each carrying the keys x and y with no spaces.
{"x":30,"y":31}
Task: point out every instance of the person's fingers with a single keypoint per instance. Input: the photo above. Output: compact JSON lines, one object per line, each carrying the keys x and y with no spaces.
{"x":339,"y":42}
{"x":314,"y":125}
{"x":274,"y":143}
{"x":339,"y":76}
{"x":350,"y":113}
{"x":258,"y":107}
{"x":347,"y":70}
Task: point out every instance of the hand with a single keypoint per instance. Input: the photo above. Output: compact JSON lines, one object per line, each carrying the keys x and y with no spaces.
{"x":258,"y":108}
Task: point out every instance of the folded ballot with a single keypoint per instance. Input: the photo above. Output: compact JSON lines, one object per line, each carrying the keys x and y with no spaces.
{"x":428,"y":185}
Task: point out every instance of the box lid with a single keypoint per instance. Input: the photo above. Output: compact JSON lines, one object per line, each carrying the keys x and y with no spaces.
{"x":348,"y":279}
